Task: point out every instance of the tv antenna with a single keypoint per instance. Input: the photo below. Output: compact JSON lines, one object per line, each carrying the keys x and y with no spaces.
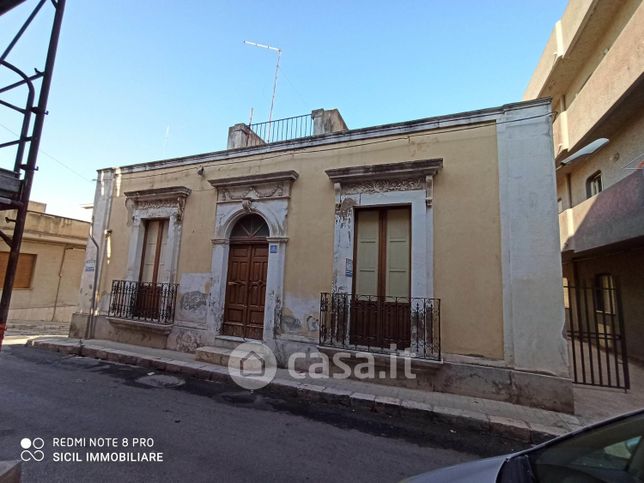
{"x":277,"y":68}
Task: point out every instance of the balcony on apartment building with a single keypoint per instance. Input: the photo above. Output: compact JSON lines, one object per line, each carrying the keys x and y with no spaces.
{"x":583,"y":38}
{"x":613,"y":216}
{"x":319,"y":122}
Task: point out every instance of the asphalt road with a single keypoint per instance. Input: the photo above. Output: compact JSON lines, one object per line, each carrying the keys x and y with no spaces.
{"x":206,"y":431}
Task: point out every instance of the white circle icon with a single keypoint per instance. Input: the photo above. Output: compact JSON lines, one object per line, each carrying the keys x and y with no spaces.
{"x":252,"y":365}
{"x":31,"y":449}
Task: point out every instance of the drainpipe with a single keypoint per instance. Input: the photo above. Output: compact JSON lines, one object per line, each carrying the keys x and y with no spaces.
{"x":60,"y":277}
{"x":98,"y":261}
{"x":89,"y":328}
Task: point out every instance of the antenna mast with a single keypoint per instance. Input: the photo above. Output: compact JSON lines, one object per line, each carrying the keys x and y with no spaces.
{"x":277,"y":68}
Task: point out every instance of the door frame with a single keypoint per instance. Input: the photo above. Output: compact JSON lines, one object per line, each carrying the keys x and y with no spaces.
{"x":273,"y":212}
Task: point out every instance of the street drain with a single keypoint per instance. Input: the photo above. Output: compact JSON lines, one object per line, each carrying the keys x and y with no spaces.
{"x":160,"y":380}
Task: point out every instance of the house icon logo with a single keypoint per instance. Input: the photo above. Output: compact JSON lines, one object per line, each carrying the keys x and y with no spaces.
{"x":252,"y":365}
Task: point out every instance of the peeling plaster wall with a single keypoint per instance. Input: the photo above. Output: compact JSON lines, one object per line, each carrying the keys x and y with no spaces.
{"x":300,"y":319}
{"x":192,"y":298}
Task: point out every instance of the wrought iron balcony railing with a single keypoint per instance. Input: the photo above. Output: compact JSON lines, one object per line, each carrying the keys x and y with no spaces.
{"x":408,"y":325}
{"x":144,"y":301}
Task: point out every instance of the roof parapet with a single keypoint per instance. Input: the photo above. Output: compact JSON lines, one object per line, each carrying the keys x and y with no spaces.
{"x":319,"y":122}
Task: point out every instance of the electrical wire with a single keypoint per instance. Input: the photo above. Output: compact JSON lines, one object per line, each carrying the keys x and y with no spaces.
{"x":71,"y":170}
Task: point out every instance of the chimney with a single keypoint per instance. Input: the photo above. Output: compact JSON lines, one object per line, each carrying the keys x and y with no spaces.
{"x":241,"y":136}
{"x":327,"y":121}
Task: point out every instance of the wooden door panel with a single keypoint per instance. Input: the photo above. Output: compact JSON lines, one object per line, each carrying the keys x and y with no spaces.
{"x":380,"y":311}
{"x":246,"y":290}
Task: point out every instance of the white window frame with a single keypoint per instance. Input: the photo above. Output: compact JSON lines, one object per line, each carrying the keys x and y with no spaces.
{"x":407,"y":183}
{"x":150,"y":204}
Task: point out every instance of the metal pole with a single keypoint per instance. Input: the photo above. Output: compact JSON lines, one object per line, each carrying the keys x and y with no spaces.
{"x":277,"y":68}
{"x":30,"y":168}
{"x":89,"y":327}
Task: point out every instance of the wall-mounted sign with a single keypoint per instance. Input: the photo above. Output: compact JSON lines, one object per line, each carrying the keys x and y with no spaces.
{"x":349,"y":269}
{"x":273,"y":248}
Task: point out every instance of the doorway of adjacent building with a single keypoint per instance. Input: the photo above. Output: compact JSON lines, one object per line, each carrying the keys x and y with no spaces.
{"x":381,"y":305}
{"x":246,"y":280}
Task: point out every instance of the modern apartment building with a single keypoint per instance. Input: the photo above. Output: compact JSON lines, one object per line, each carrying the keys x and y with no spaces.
{"x":593,"y":70}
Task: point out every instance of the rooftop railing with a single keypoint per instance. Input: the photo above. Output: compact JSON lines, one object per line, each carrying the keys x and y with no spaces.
{"x":281,"y":130}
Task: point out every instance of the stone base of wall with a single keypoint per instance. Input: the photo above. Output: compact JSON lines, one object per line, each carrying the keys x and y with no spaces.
{"x":59,"y":314}
{"x":122,"y":330}
{"x":78,"y":325}
{"x":185,"y":338}
{"x":496,"y":383}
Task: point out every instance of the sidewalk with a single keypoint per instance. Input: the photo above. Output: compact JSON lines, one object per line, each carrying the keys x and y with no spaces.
{"x":519,"y":423}
{"x":21,"y":331}
{"x":597,"y":403}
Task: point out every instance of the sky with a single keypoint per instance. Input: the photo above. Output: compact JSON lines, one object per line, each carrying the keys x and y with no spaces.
{"x":142,"y":80}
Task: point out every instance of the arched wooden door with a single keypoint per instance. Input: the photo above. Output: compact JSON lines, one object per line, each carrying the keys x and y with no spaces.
{"x":246,"y":280}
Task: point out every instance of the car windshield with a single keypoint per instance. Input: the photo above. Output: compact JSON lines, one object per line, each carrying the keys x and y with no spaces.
{"x":610,"y":453}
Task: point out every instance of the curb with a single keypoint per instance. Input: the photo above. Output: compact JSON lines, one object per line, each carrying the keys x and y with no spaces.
{"x":513,"y":429}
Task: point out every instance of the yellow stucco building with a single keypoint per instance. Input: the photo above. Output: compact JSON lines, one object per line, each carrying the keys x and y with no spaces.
{"x":437,"y":235}
{"x":50,"y":264}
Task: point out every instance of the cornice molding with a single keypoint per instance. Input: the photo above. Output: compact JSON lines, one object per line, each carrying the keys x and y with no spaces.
{"x":254,"y":179}
{"x":169,"y":198}
{"x":255,"y":187}
{"x":389,"y":171}
{"x":156,"y":194}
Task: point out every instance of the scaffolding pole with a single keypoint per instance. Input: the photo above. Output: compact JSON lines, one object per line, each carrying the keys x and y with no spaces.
{"x":18,"y":199}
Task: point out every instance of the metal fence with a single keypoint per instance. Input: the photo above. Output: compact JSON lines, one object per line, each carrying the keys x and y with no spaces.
{"x":144,"y":301}
{"x":409,"y":325}
{"x":596,"y":335}
{"x":281,"y":130}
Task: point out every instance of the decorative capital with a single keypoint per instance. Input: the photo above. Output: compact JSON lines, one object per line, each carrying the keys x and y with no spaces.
{"x":429,"y":190}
